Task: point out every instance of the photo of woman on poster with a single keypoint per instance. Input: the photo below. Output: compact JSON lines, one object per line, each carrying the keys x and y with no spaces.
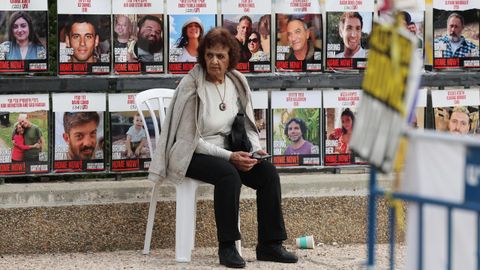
{"x":23,"y":41}
{"x":342,"y":135}
{"x":19,"y":146}
{"x":256,"y":49}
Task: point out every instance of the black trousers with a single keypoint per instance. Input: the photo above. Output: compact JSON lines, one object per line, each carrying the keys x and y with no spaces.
{"x":227,"y":180}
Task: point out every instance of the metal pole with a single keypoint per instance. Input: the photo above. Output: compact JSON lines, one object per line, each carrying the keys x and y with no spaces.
{"x":372,"y":218}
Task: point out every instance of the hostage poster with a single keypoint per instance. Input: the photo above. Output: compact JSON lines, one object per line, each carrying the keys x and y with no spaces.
{"x":296,"y":127}
{"x":79,"y":132}
{"x":455,"y":34}
{"x":340,"y":108}
{"x":188,"y":22}
{"x":128,"y":136}
{"x":299,"y":41}
{"x":137,"y":36}
{"x":84,"y":43}
{"x":24,"y":134}
{"x":349,"y":24}
{"x":23,"y":36}
{"x":249,"y":22}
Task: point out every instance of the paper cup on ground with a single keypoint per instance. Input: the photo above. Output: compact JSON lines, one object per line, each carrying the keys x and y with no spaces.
{"x":305,"y":242}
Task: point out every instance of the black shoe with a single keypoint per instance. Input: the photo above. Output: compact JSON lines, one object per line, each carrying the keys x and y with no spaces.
{"x":230,"y":258}
{"x":275,"y":253}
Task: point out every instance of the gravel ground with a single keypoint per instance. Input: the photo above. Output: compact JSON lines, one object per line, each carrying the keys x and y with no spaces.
{"x":328,"y":257}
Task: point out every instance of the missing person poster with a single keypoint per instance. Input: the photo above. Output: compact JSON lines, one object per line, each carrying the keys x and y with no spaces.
{"x":456,"y":110}
{"x":23,"y":36}
{"x":24,"y":134}
{"x":349,"y":24}
{"x":299,"y":35}
{"x":137,"y":36}
{"x":84,"y":37}
{"x":188,"y":22}
{"x":340,"y":112}
{"x":128,"y":137}
{"x":455,"y":34}
{"x":296,"y":127}
{"x":249,"y":22}
{"x":79,"y":132}
{"x":260,"y":108}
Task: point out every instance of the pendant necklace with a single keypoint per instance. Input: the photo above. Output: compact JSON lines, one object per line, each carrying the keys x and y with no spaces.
{"x":222,"y":106}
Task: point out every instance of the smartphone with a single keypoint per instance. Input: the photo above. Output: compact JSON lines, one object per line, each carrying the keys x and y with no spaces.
{"x":255,"y":155}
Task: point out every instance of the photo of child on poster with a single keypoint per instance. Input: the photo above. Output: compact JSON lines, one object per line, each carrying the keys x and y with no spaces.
{"x":347,"y":36}
{"x":299,"y":42}
{"x":83,"y":44}
{"x":138,"y":43}
{"x":79,"y":138}
{"x":129,"y":141}
{"x":23,"y":41}
{"x":185,"y":34}
{"x":296,"y":135}
{"x":456,"y":40}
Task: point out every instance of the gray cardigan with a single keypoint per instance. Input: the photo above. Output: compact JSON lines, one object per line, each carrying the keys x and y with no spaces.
{"x":179,"y":137}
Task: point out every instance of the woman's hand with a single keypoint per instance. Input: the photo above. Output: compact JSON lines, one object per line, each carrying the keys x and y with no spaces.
{"x":242,"y":161}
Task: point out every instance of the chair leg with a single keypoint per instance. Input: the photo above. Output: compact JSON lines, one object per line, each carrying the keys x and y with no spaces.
{"x":238,"y":243}
{"x":185,"y":220}
{"x":150,"y":221}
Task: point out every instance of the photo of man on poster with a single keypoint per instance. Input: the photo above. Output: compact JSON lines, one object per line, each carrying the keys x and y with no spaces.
{"x":80,"y":135}
{"x":299,"y":40}
{"x":459,"y":122}
{"x":81,"y":36}
{"x":149,"y":44}
{"x":453,"y":42}
{"x":350,"y":30}
{"x":296,"y":131}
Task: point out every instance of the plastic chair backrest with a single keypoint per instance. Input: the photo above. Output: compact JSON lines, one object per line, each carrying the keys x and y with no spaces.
{"x":155,"y":101}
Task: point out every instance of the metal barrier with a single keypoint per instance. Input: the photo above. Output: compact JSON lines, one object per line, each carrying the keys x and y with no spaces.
{"x":377,"y":192}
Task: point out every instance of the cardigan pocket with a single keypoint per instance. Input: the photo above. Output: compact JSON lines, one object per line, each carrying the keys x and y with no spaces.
{"x":180,"y":156}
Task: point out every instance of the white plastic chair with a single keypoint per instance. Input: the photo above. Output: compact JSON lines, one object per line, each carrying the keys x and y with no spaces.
{"x":156,"y":100}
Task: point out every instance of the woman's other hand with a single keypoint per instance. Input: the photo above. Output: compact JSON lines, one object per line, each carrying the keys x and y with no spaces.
{"x":242,"y":161}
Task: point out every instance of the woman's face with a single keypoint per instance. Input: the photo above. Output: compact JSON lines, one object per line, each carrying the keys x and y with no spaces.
{"x":347,"y":122}
{"x":19,"y":129}
{"x":21,"y":30}
{"x":253,"y":43}
{"x":193,"y":30}
{"x":217,"y":61}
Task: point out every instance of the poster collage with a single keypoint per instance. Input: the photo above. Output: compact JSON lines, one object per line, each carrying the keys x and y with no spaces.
{"x":298,"y":127}
{"x":153,"y":37}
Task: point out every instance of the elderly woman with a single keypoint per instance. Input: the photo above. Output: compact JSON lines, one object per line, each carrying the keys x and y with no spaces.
{"x":23,"y":43}
{"x":193,"y":144}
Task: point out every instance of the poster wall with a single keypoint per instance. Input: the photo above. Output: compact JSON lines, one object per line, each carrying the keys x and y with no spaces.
{"x":456,"y":110}
{"x":137,"y":36}
{"x":23,"y":36}
{"x":349,"y":24}
{"x":79,"y":132}
{"x":128,"y":137}
{"x":84,"y":31}
{"x":250,"y":22}
{"x":455,"y":34}
{"x":340,"y":112}
{"x":296,"y":127}
{"x":299,"y":41}
{"x":188,"y":22}
{"x":24,"y":134}
{"x":260,"y":108}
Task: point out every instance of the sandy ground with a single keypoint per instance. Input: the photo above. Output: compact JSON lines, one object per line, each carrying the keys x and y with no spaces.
{"x":328,"y":257}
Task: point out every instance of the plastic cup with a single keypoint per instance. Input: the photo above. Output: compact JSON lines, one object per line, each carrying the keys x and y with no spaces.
{"x":305,"y":242}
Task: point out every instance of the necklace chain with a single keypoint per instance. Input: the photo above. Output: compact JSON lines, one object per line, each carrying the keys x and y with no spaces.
{"x":222,"y":106}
